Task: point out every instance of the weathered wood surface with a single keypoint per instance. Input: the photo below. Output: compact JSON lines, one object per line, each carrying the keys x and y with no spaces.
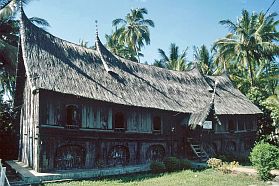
{"x":44,"y":133}
{"x":3,"y":177}
{"x":242,"y":123}
{"x":96,"y":115}
{"x":29,"y":128}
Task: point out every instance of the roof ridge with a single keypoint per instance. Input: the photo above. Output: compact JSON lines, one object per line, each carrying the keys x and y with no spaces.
{"x":100,"y":47}
{"x":25,"y":19}
{"x":68,"y":68}
{"x":155,"y":67}
{"x":22,"y":20}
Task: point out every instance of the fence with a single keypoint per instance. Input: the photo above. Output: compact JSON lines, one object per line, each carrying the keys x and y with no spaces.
{"x":3,"y":178}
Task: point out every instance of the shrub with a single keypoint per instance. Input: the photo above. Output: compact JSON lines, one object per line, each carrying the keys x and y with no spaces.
{"x":185,"y":164}
{"x":172,"y":164}
{"x":221,"y":166}
{"x":234,"y":164}
{"x":225,"y":168}
{"x":214,"y":163}
{"x":264,"y":157}
{"x":157,"y":167}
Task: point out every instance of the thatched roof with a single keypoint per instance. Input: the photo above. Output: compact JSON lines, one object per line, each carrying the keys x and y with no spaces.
{"x":58,"y":65}
{"x":198,"y":118}
{"x":231,"y":98}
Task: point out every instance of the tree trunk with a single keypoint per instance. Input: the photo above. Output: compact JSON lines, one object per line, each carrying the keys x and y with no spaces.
{"x":250,"y":70}
{"x":137,"y":53}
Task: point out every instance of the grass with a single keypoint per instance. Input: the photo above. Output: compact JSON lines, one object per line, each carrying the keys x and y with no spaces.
{"x":187,"y":177}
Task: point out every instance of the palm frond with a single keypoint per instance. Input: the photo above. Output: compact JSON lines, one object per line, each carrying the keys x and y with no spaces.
{"x":163,"y":55}
{"x":159,"y":63}
{"x":39,"y":21}
{"x":8,"y":8}
{"x":118,"y":21}
{"x":147,"y":22}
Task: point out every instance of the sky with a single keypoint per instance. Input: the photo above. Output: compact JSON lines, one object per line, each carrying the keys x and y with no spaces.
{"x":187,"y":23}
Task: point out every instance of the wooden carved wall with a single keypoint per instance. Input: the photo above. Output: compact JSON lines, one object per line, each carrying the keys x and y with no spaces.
{"x":69,"y":157}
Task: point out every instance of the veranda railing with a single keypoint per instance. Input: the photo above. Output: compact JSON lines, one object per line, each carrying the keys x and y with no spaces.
{"x":3,"y":178}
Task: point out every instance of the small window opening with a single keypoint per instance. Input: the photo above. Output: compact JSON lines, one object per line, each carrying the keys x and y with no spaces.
{"x":249,"y":126}
{"x":119,"y":121}
{"x":231,"y":126}
{"x":72,"y":115}
{"x":156,"y":124}
{"x":241,"y":125}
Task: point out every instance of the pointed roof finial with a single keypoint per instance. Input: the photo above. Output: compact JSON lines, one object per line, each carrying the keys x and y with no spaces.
{"x":214,"y":90}
{"x":20,"y":6}
{"x":96,"y":23}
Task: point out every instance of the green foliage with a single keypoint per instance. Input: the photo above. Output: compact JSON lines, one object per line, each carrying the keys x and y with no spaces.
{"x":175,"y":60}
{"x":157,"y":167}
{"x":247,"y":53}
{"x":187,"y":177}
{"x":257,"y":95}
{"x":264,"y":157}
{"x":172,"y":164}
{"x":185,"y":164}
{"x":214,"y":163}
{"x":9,"y":36}
{"x":249,"y":46}
{"x":267,"y":121}
{"x":134,"y":32}
{"x":7,"y":117}
{"x":272,"y":103}
{"x":204,"y":60}
{"x":119,"y":48}
{"x":225,"y":168}
{"x":8,"y":139}
{"x":221,"y":166}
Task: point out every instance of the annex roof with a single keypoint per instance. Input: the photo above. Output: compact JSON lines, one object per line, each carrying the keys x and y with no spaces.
{"x":61,"y":66}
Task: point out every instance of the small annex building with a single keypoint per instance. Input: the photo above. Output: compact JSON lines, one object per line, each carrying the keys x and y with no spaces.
{"x":87,"y":108}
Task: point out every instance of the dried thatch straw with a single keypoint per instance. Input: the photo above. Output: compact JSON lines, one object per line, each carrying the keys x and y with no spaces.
{"x":57,"y":65}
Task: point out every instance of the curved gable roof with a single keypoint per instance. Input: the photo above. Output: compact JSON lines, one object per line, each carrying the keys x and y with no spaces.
{"x":58,"y":65}
{"x":231,"y":99}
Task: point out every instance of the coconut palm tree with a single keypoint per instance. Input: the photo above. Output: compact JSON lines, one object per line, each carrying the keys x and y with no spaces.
{"x":134,"y":30}
{"x":9,"y":32}
{"x":159,"y":63}
{"x":8,"y":8}
{"x":119,"y":48}
{"x":9,"y":29}
{"x":174,"y":61}
{"x":251,"y":40}
{"x":204,"y":60}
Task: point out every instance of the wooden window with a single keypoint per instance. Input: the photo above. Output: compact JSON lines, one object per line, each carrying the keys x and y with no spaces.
{"x":58,"y":116}
{"x":241,"y":125}
{"x":105,"y":118}
{"x":72,"y":115}
{"x":232,"y":125}
{"x":156,"y":124}
{"x":119,"y":121}
{"x":249,"y":125}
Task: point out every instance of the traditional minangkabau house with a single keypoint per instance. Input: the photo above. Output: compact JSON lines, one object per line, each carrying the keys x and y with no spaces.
{"x":87,"y":108}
